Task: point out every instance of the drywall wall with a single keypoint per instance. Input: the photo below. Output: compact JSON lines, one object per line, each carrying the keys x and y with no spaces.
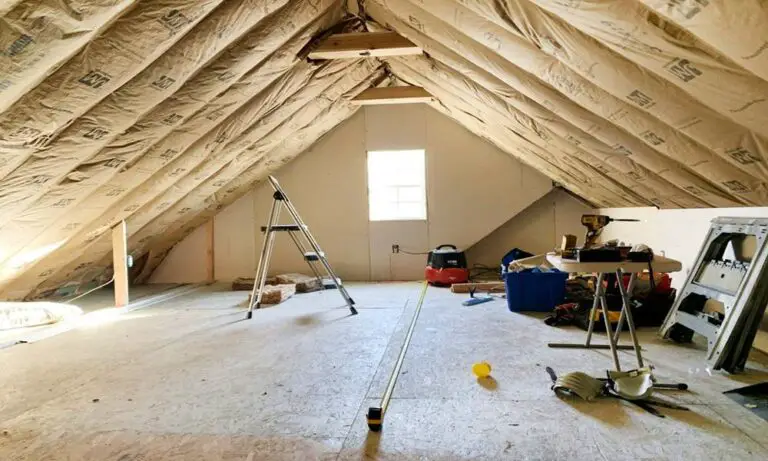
{"x":324,"y":186}
{"x":472,"y":189}
{"x":192,"y":257}
{"x":229,"y":251}
{"x":393,"y":128}
{"x":472,"y":186}
{"x":412,"y":236}
{"x":538,"y":229}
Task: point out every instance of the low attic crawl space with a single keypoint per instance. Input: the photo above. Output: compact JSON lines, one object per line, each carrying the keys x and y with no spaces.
{"x":161,"y":112}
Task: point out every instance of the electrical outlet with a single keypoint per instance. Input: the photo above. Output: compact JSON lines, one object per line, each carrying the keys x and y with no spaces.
{"x":395,"y":248}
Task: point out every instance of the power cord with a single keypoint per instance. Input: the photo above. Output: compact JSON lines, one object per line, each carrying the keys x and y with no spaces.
{"x":412,"y":253}
{"x":482,"y":269}
{"x":91,"y":290}
{"x":396,"y":249}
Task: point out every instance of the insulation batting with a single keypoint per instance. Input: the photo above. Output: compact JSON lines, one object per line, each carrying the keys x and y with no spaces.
{"x":213,"y":93}
{"x":161,"y":112}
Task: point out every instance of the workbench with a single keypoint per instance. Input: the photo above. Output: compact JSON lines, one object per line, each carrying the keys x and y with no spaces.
{"x":659,"y":264}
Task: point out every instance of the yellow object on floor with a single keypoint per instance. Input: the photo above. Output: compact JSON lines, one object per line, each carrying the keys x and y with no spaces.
{"x":481,"y":369}
{"x":613,"y":316}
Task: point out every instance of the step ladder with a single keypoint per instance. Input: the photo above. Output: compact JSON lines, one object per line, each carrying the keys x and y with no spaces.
{"x":730,"y":269}
{"x":305,"y":242}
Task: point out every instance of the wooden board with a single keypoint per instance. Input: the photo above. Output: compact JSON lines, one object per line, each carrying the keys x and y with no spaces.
{"x":364,"y":44}
{"x":393,"y":95}
{"x":209,"y":252}
{"x":120,"y":263}
{"x":479,"y":286}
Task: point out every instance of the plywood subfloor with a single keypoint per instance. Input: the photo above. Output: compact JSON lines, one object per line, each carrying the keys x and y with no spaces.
{"x":189,"y":380}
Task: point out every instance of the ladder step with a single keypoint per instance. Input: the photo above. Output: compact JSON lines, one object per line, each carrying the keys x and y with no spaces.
{"x":312,"y":256}
{"x":283,"y":228}
{"x":328,"y":283}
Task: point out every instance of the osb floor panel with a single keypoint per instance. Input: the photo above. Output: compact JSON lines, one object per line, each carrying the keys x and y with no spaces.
{"x":190,"y":380}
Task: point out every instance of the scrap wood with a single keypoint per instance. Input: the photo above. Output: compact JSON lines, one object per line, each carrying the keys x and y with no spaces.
{"x":275,"y":294}
{"x":479,"y":286}
{"x":304,"y":283}
{"x":246,"y":284}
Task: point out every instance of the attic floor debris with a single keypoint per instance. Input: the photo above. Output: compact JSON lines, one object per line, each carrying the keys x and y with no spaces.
{"x":188,"y":379}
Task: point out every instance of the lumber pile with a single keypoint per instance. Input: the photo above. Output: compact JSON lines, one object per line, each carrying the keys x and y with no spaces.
{"x":279,"y":288}
{"x":478,"y":286}
{"x":304,"y":283}
{"x":246,"y":284}
{"x":275,"y":294}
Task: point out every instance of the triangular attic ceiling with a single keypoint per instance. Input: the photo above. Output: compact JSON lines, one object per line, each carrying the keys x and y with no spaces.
{"x":163,"y":112}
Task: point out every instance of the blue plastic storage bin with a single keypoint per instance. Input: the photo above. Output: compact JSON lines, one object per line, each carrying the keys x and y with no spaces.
{"x":534,"y":291}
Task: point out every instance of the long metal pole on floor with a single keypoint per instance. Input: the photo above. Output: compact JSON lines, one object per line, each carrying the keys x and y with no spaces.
{"x":376,"y":414}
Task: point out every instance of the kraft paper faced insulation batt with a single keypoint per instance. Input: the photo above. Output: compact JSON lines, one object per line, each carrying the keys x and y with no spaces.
{"x":162,"y":112}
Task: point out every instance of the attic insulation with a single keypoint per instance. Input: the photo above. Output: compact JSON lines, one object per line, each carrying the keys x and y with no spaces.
{"x":160,"y":113}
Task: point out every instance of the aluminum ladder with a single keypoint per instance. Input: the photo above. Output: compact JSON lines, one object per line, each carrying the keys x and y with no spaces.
{"x":306,"y":243}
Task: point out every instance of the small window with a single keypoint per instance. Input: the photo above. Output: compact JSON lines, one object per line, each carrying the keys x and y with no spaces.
{"x":397,"y":185}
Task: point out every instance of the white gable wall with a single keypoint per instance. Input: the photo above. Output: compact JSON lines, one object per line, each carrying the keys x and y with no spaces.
{"x":538,"y":229}
{"x":472,"y":189}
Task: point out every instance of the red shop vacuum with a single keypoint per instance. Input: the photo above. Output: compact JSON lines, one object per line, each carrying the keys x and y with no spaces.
{"x":446,"y":265}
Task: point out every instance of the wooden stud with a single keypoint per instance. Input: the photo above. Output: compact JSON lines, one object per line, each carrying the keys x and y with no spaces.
{"x":120,"y":263}
{"x":210,"y":255}
{"x":393,"y":95}
{"x":364,"y":44}
{"x":479,"y":286}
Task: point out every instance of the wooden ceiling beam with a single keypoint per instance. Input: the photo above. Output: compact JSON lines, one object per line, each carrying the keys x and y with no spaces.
{"x":364,"y":44}
{"x":393,"y":95}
